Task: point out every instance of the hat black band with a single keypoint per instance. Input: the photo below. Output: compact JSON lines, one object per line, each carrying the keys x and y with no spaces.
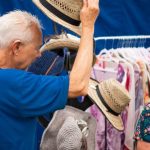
{"x":104,"y":103}
{"x":59,"y":14}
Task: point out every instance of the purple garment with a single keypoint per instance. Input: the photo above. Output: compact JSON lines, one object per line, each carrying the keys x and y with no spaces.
{"x":113,"y":135}
{"x":120,"y":73}
{"x":115,"y":139}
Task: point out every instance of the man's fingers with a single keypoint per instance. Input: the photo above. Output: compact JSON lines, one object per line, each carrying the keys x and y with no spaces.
{"x":85,"y":3}
{"x":93,"y":3}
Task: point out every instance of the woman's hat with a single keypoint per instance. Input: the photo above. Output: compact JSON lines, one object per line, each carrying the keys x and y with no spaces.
{"x":111,"y":98}
{"x":64,"y":12}
{"x":70,"y":129}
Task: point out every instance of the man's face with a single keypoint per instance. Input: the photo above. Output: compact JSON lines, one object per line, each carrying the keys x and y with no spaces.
{"x":28,"y":52}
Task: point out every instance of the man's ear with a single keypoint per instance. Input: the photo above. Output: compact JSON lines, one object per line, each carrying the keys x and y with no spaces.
{"x":16,"y":47}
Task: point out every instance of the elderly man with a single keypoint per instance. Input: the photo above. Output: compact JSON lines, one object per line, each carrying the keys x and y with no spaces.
{"x":25,"y":96}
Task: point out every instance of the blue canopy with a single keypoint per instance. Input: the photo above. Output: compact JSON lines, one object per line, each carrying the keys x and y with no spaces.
{"x":117,"y":18}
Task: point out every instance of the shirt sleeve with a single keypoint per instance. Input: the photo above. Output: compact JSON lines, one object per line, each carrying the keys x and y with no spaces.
{"x":36,"y":94}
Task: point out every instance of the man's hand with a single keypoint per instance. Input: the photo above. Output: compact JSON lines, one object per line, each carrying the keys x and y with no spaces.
{"x":89,"y":13}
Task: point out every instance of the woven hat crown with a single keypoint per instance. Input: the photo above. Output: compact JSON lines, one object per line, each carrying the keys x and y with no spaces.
{"x":69,"y":136}
{"x":114,"y":94}
{"x":63,"y":12}
{"x":70,"y":8}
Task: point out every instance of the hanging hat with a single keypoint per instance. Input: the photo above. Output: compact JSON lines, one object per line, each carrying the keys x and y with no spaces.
{"x":70,"y":129}
{"x":61,"y":41}
{"x":64,"y":12}
{"x":68,"y":41}
{"x":53,"y":60}
{"x":111,"y":98}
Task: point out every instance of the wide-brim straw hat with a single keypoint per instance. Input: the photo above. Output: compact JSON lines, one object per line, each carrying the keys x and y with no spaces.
{"x":111,"y":97}
{"x":64,"y":40}
{"x":61,"y":41}
{"x":64,"y":12}
{"x":58,"y":130}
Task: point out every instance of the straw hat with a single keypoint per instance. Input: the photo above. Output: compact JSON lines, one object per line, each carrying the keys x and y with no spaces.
{"x":111,"y":98}
{"x":64,"y":12}
{"x":61,"y":41}
{"x":70,"y":129}
{"x":65,"y":41}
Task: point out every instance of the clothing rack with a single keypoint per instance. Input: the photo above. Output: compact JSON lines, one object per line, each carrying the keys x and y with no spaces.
{"x":109,"y":42}
{"x":122,"y":37}
{"x":138,"y":37}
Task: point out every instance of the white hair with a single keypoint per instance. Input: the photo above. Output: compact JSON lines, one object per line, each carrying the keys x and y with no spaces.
{"x":17,"y":25}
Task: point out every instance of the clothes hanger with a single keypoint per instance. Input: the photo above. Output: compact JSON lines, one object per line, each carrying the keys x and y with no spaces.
{"x":128,"y":54}
{"x":106,"y":54}
{"x":121,"y":52}
{"x":115,"y":58}
{"x":104,"y":51}
{"x":144,"y":51}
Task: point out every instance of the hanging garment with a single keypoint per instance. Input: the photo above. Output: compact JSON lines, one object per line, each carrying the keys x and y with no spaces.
{"x":105,"y":131}
{"x":143,"y":126}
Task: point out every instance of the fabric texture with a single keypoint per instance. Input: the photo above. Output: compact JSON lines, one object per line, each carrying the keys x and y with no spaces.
{"x":143,"y":126}
{"x":24,"y":96}
{"x":50,"y":136}
{"x":69,"y":136}
{"x":50,"y":63}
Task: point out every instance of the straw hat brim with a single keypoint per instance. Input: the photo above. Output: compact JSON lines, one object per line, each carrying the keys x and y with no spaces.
{"x":76,"y":29}
{"x":54,"y":44}
{"x":60,"y":43}
{"x":116,"y":121}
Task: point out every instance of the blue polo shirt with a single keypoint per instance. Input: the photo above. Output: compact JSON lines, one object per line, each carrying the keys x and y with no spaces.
{"x":23,"y":97}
